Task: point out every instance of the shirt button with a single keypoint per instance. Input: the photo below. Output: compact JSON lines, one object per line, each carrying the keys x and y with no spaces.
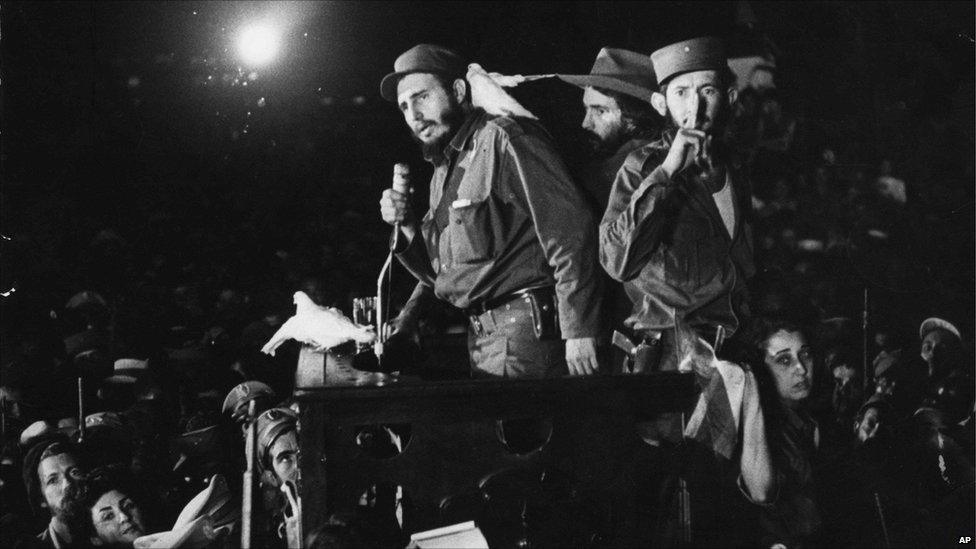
{"x":508,"y":307}
{"x":458,"y":221}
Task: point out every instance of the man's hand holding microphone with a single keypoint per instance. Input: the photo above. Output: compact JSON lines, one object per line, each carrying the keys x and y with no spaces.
{"x":395,"y":205}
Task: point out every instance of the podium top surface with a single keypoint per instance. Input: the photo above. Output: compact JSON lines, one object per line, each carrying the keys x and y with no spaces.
{"x":385,"y":386}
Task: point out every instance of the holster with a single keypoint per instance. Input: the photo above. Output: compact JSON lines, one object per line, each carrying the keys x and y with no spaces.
{"x":545,"y":317}
{"x":647,"y":356}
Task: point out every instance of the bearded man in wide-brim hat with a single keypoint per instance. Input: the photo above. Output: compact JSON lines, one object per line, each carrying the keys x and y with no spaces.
{"x":617,"y":115}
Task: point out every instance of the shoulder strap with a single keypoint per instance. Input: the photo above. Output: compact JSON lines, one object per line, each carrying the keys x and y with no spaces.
{"x":636,"y":160}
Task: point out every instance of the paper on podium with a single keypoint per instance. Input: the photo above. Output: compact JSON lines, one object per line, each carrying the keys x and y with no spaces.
{"x":461,"y":535}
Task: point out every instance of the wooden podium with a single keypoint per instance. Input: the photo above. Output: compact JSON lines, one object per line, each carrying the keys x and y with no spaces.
{"x":453,"y":442}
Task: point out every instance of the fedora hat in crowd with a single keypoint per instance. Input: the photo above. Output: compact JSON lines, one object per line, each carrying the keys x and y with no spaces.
{"x":618,"y":70}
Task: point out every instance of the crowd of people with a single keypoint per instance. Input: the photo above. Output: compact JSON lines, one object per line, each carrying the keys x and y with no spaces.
{"x":130,"y":369}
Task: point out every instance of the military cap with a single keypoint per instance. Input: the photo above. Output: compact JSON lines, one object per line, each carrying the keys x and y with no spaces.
{"x":37,"y":431}
{"x":426,"y":58}
{"x":201,"y":435}
{"x":270,"y":425}
{"x":236,"y":401}
{"x":86,"y":298}
{"x":109,"y":421}
{"x":933,"y":323}
{"x":200,"y":442}
{"x":698,"y":54}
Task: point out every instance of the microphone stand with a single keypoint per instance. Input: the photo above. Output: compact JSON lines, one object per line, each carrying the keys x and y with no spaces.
{"x":384,"y":271}
{"x":401,"y":182}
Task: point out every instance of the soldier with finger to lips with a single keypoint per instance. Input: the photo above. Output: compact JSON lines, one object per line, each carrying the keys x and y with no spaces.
{"x":676,"y":230}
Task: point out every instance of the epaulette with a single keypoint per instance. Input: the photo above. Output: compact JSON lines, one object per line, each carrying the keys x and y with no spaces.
{"x":637,"y":159}
{"x":510,"y":127}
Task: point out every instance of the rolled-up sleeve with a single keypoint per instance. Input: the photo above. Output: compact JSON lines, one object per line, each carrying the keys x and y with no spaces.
{"x":565,"y":229}
{"x":631,"y":227}
{"x":415,"y":258}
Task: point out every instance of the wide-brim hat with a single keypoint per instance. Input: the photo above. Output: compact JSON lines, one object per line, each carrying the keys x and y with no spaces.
{"x":426,"y":58}
{"x":128,"y":370}
{"x":934,"y":323}
{"x":698,"y":54}
{"x":619,"y":70}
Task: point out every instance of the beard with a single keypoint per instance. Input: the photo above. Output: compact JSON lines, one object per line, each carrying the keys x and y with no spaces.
{"x":451,"y":118}
{"x":605,"y":147}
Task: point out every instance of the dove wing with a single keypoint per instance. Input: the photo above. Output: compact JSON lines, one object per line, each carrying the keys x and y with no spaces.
{"x":283,"y":334}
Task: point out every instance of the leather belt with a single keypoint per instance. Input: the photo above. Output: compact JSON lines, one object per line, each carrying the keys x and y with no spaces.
{"x":496,"y":302}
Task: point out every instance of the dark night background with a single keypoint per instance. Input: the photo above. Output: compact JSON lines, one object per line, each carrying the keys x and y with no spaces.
{"x":135,"y":117}
{"x":161,"y":201}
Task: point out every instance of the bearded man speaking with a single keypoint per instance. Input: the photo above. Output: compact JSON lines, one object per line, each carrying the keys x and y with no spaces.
{"x":676,"y":229}
{"x":508,"y":237}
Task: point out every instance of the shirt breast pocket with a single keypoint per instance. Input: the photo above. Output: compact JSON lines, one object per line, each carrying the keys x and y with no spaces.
{"x":470,"y":231}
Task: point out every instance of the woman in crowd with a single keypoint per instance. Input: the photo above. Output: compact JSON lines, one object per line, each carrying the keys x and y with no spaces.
{"x":107,"y":511}
{"x":785,"y":378}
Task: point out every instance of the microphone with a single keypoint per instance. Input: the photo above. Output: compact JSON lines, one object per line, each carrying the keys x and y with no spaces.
{"x":401,"y":184}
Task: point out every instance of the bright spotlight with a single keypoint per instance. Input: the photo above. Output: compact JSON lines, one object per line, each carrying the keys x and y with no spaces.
{"x":258,"y":44}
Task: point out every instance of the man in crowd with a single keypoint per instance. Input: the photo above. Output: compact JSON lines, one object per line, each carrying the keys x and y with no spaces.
{"x":278,"y":443}
{"x":52,"y":467}
{"x":675,"y":231}
{"x":941,"y":348}
{"x":507,"y":237}
{"x":277,"y":453}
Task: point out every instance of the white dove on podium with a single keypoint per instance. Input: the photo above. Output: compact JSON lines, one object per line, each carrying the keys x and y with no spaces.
{"x":320,"y":327}
{"x":488,"y":93}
